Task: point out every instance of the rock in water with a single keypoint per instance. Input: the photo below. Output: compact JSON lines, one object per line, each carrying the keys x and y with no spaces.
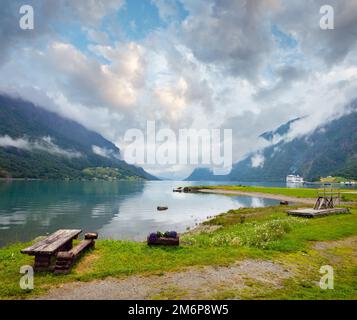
{"x":162,"y":208}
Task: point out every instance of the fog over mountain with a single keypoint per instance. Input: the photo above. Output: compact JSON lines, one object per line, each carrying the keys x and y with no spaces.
{"x":36,"y":143}
{"x":331,"y":149}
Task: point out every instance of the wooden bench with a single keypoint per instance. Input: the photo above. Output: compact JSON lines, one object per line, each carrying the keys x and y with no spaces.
{"x":46,"y":249}
{"x":66,"y":259}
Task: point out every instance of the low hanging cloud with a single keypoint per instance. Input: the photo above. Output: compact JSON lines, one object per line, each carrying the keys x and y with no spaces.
{"x":105,"y":152}
{"x":257,"y":160}
{"x":20,"y":143}
{"x":45,"y":144}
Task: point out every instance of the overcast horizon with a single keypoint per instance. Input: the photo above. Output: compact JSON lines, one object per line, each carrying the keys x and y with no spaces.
{"x":249,"y":66}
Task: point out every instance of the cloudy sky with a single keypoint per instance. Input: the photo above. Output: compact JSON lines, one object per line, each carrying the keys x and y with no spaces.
{"x":243,"y":65}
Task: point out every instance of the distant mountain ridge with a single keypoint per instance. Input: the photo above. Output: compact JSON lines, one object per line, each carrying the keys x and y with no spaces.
{"x":204,"y":174}
{"x":281,"y":131}
{"x":36,"y":143}
{"x":330,"y":150}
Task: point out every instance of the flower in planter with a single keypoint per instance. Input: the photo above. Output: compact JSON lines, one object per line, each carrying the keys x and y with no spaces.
{"x":160,"y":234}
{"x":153,"y":237}
{"x":171,"y":234}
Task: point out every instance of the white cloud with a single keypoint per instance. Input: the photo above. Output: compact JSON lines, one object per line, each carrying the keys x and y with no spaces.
{"x":101,"y":83}
{"x":97,"y":36}
{"x":173,"y":98}
{"x":44,"y":144}
{"x":257,"y":160}
{"x":167,"y":9}
{"x":235,"y":35}
{"x":19,"y":143}
{"x":47,"y":144}
{"x":104,"y":152}
{"x":92,"y":12}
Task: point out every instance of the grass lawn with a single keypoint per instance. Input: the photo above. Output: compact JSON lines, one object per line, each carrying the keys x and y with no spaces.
{"x":261,"y":233}
{"x":346,"y":194}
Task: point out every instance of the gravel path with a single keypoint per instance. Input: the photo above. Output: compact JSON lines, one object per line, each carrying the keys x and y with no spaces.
{"x":260,"y":195}
{"x":193,"y":283}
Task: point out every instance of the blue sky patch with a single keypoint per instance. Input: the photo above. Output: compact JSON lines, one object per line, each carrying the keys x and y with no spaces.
{"x":284,"y":40}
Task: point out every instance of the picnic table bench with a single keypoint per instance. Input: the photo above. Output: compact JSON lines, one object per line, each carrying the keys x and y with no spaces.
{"x":66,"y":259}
{"x":46,"y":249}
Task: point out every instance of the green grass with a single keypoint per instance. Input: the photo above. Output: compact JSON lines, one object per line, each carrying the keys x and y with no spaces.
{"x":346,"y":194}
{"x":335,"y":179}
{"x":264,"y":233}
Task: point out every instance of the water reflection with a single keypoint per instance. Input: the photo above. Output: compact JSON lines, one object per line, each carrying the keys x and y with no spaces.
{"x":118,"y":210}
{"x":32,"y":208}
{"x":294,"y":185}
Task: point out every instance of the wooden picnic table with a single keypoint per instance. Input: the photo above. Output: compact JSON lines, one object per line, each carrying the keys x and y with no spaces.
{"x":44,"y":250}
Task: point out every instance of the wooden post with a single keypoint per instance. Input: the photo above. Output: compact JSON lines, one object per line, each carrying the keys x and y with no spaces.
{"x":42,"y":263}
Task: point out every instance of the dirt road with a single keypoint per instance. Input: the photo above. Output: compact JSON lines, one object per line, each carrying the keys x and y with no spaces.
{"x":194,"y":283}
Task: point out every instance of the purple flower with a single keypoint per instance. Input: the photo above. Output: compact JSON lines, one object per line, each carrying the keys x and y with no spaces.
{"x":153,"y":237}
{"x":171,"y":234}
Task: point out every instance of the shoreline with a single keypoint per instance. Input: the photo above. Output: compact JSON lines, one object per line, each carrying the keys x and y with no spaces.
{"x":298,"y":196}
{"x":259,"y":195}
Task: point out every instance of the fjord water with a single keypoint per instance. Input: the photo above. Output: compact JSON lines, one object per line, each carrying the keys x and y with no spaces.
{"x":117,"y":210}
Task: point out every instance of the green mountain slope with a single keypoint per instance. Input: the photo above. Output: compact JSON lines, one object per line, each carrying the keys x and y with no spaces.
{"x":35,"y":143}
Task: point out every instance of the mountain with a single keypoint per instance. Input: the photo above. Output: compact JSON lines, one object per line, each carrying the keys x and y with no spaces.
{"x":199,"y":174}
{"x":36,"y":143}
{"x":281,"y":131}
{"x":330,"y":150}
{"x":205,"y":174}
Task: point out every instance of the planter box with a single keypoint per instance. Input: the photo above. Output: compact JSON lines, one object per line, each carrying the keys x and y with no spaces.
{"x":164,"y":242}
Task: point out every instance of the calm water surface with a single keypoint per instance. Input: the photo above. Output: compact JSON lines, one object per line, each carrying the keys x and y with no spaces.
{"x":117,"y":210}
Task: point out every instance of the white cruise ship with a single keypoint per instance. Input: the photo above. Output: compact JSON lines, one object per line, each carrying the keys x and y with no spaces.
{"x":291,"y":178}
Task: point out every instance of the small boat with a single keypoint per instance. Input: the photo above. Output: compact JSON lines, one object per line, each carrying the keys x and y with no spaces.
{"x":162,"y":208}
{"x":179,"y":189}
{"x":284,"y":203}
